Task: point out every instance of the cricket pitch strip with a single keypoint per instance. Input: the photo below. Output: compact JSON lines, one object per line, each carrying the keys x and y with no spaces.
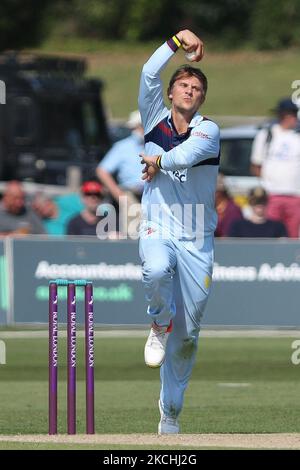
{"x":190,"y":441}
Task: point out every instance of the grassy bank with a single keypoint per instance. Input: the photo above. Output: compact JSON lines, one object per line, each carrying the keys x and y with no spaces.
{"x":242,"y":82}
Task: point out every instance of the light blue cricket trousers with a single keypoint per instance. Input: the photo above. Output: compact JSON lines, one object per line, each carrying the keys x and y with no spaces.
{"x":177,"y":283}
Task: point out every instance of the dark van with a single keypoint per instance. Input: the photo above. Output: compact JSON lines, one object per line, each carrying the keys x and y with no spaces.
{"x":52,"y":124}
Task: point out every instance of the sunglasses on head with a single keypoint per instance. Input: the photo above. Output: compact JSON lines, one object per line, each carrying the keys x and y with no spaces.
{"x":92,"y":194}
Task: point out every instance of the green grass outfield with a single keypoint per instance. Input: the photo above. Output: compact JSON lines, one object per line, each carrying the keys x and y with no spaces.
{"x":239,"y":385}
{"x":242,"y":82}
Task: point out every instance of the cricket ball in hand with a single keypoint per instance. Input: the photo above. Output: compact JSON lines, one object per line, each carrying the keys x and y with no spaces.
{"x":190,"y":55}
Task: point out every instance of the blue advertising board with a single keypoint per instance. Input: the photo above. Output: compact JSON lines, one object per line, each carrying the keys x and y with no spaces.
{"x":256,"y":283}
{"x":113,"y":267}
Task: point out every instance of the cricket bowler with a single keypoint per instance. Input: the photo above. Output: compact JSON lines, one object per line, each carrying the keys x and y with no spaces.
{"x":181,"y":159}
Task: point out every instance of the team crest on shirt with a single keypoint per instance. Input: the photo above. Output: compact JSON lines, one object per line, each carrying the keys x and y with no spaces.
{"x":180,"y":175}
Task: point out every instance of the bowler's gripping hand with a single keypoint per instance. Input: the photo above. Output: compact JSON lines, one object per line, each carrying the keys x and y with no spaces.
{"x":151,"y":167}
{"x":191,"y":43}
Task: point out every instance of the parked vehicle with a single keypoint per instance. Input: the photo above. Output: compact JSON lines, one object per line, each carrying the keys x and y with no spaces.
{"x":53,"y":124}
{"x":236,"y":145}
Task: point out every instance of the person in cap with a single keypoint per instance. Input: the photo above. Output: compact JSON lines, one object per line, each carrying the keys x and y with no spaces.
{"x":120,"y":169}
{"x":275,"y":158}
{"x":86,"y":222}
{"x":258,"y":226}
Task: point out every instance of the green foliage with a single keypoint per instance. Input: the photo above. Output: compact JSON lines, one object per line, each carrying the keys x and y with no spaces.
{"x":276,"y":24}
{"x":148,"y":19}
{"x":120,"y":19}
{"x":144,"y":20}
{"x":97,"y":18}
{"x":226,"y":21}
{"x":265,"y":24}
{"x":22,"y":25}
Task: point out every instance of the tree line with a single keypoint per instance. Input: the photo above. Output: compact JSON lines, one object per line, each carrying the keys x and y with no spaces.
{"x":261,"y":24}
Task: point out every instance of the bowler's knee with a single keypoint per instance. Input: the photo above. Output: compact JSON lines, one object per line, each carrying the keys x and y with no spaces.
{"x":155,"y":272}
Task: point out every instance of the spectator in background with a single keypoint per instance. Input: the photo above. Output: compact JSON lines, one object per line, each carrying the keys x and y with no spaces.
{"x":123,"y":161}
{"x":226,"y":209}
{"x":86,"y":222}
{"x":56,"y":213}
{"x":258,"y":225}
{"x":15,"y":217}
{"x":276,"y":158}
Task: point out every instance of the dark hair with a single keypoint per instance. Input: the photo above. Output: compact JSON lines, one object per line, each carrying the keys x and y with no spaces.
{"x":257,"y":195}
{"x":188,"y":70}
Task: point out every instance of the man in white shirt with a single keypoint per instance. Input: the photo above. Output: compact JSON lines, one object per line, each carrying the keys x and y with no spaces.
{"x":276,"y":159}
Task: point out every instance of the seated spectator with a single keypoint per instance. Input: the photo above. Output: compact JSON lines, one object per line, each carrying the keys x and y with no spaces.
{"x":226,"y":209}
{"x":86,"y":222}
{"x":15,"y":217}
{"x":120,"y":171}
{"x":258,"y":225}
{"x":56,"y":213}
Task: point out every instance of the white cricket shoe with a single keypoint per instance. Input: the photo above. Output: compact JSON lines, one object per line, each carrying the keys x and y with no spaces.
{"x":167,"y":425}
{"x":155,"y":347}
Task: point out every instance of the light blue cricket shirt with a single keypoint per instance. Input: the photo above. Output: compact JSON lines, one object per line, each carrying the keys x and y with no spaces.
{"x":189,"y":161}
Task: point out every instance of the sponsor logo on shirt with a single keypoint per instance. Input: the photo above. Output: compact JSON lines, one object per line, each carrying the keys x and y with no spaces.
{"x":180,"y":175}
{"x":201,"y":134}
